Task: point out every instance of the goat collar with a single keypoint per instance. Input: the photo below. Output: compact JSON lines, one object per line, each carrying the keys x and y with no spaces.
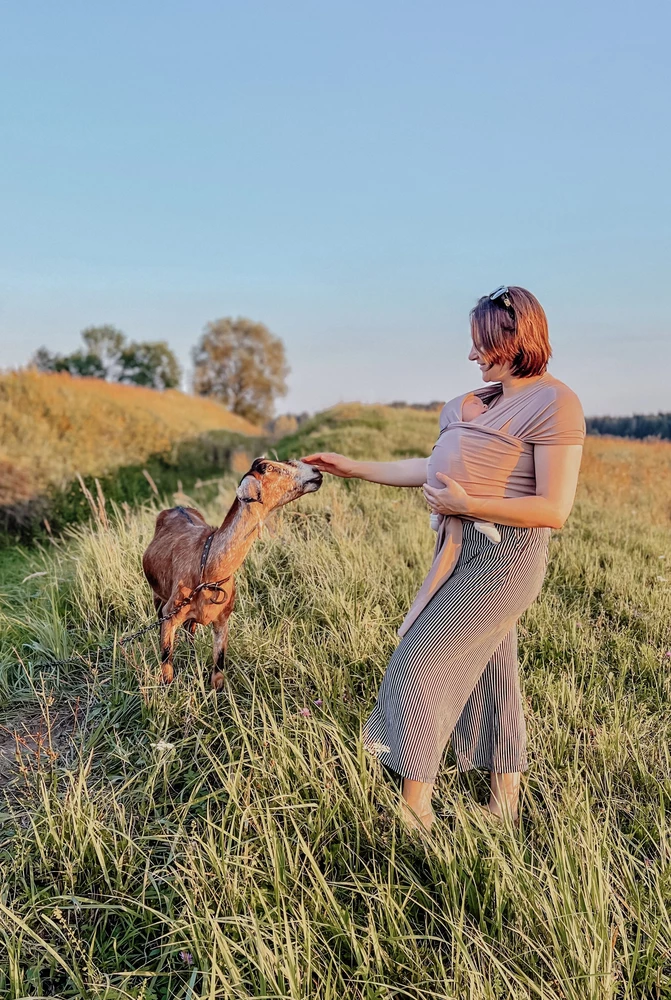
{"x":206,"y":551}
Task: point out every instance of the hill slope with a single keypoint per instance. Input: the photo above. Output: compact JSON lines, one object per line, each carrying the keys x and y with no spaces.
{"x":53,"y":426}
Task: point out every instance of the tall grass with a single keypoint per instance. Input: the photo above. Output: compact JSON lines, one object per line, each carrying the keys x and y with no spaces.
{"x":180,"y":844}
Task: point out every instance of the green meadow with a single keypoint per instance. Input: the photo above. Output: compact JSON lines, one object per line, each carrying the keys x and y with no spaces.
{"x":171,"y":843}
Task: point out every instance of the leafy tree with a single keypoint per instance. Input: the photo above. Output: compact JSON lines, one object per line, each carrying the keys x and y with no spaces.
{"x":109,"y":356}
{"x":45,"y":361}
{"x":150,"y":363}
{"x":106,"y":343}
{"x":242,"y":364}
{"x":77,"y":363}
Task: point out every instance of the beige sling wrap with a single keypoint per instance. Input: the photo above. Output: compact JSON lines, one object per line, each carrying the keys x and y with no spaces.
{"x":490,"y":462}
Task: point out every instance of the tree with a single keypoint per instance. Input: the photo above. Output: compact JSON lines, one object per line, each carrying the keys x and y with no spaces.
{"x":110,"y":357}
{"x":150,"y":363}
{"x":105,"y":343}
{"x":77,"y":363}
{"x":243,"y":365}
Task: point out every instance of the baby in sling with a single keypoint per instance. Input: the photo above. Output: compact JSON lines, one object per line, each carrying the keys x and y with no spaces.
{"x":471,"y":408}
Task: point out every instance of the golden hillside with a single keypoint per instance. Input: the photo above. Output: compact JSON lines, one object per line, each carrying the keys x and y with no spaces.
{"x":53,"y":425}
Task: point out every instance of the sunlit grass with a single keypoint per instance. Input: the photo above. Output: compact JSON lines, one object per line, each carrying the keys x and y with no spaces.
{"x":182,"y":844}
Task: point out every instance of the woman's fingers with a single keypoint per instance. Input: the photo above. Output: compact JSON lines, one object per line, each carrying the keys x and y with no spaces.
{"x":319,"y":460}
{"x":322,"y":456}
{"x":329,"y":461}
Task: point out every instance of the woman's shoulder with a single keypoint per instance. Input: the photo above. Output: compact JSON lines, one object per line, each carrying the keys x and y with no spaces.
{"x":554,"y":415}
{"x":558,"y":390}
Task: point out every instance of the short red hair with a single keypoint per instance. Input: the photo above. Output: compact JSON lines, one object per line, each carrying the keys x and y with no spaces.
{"x":517,"y":336}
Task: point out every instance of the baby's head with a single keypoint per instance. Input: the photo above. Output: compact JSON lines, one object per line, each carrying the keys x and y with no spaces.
{"x":472,"y":407}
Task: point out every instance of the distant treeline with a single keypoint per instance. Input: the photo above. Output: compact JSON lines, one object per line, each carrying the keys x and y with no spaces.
{"x":400,"y":404}
{"x":640,"y":425}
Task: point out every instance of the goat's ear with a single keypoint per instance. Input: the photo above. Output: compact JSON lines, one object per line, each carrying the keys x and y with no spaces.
{"x":249,"y":489}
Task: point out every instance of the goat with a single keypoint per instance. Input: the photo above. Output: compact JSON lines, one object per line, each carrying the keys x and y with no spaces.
{"x":186,"y":551}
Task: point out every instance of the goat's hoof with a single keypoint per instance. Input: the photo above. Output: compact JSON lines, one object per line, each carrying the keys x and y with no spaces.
{"x":217,"y":680}
{"x":167,"y":673}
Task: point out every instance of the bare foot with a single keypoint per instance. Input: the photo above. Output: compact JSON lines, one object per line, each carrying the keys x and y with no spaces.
{"x":416,"y":808}
{"x":505,"y":794}
{"x":494,"y":812}
{"x":414,"y":821}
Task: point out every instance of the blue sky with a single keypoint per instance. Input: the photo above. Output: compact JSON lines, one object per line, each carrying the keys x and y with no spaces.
{"x":354,"y":175}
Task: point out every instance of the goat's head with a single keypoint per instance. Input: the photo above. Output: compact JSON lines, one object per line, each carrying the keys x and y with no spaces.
{"x":274,"y":483}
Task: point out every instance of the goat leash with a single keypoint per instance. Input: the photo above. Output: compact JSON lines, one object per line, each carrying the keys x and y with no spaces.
{"x":206,"y":552}
{"x":217,"y":585}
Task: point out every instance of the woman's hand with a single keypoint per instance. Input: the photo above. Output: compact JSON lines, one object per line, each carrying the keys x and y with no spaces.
{"x":452,"y":499}
{"x":333,"y":463}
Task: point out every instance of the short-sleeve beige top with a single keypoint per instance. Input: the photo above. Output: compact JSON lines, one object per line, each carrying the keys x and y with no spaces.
{"x":492,"y":456}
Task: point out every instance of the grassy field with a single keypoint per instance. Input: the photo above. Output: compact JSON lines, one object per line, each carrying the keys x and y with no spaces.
{"x":53,"y":427}
{"x":174,"y":844}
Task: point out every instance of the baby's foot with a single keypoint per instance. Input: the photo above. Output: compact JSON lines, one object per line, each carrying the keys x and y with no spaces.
{"x":492,"y":532}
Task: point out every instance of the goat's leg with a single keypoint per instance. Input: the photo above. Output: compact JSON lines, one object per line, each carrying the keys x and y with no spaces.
{"x":220,"y":644}
{"x":190,"y":627}
{"x":158,"y":605}
{"x":167,"y":643}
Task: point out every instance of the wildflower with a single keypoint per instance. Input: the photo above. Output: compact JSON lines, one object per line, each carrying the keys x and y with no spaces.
{"x":667,"y":654}
{"x":163,"y":745}
{"x":318,"y":702}
{"x":662,"y":579}
{"x":378,"y":748}
{"x":305,"y":711}
{"x":186,"y":957}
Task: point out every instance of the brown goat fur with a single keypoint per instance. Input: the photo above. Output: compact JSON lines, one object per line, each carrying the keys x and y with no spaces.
{"x":172,"y":560}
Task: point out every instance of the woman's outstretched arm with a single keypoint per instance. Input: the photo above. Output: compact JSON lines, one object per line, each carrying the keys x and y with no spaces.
{"x":406,"y":472}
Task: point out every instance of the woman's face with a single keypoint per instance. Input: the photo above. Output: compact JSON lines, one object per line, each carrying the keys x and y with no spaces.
{"x":490,"y":373}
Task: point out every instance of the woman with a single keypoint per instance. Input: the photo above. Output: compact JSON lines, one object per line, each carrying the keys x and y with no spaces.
{"x":454,"y":673}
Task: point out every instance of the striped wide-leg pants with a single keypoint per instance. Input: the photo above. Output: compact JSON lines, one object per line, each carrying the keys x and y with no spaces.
{"x":455,"y":673}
